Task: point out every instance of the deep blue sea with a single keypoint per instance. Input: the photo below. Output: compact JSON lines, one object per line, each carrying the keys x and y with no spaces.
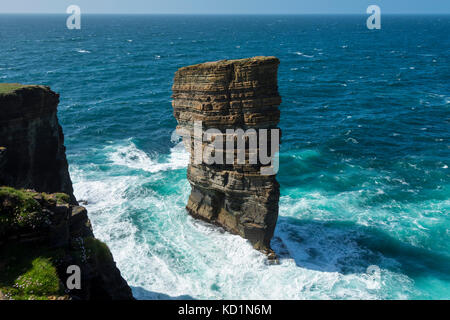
{"x":364,"y":161}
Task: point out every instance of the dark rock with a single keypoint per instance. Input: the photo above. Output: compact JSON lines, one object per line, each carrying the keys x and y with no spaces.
{"x":80,"y":225}
{"x":65,"y":227}
{"x":32,"y":156}
{"x":2,"y":158}
{"x":34,"y":141}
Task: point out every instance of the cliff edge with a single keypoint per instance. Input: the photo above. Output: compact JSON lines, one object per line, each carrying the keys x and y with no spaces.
{"x":43,"y":231}
{"x":32,"y":140}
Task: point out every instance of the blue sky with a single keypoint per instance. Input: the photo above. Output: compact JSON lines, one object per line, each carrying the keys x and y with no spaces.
{"x":225,"y":6}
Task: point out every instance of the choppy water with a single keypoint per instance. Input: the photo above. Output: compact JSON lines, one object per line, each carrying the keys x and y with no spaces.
{"x":364,"y":161}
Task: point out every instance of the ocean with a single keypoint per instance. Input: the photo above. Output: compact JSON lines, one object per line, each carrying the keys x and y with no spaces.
{"x":365,"y":183}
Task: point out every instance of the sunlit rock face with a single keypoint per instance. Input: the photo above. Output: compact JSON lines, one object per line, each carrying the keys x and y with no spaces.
{"x":242,"y":197}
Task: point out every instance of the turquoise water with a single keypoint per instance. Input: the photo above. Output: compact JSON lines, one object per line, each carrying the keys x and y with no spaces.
{"x":364,"y":175}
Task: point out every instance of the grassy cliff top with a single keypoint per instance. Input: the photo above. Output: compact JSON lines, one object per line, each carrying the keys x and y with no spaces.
{"x":22,"y":210}
{"x":28,"y":270}
{"x":259,"y":60}
{"x":8,"y":88}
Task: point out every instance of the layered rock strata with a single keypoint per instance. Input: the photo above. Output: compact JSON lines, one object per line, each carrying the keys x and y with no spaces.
{"x":42,"y":228}
{"x":229,"y":95}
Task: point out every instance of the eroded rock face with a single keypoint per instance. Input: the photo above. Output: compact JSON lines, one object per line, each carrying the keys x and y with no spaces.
{"x":32,"y":142}
{"x":32,"y":156}
{"x":230,"y":94}
{"x":34,"y":223}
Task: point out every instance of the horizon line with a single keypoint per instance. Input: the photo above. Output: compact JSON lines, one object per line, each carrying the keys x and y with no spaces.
{"x":228,"y":14}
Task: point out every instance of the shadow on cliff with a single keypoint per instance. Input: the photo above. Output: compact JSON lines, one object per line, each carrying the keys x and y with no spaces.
{"x":346,"y":247}
{"x":143,"y":294}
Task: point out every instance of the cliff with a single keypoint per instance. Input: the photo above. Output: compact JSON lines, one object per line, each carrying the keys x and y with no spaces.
{"x":32,"y":140}
{"x":43,"y":231}
{"x":41,"y":235}
{"x":222,"y":97}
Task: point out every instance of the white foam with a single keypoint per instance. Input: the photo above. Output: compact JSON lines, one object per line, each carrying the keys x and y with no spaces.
{"x":298,"y":53}
{"x":83,"y":51}
{"x":130,"y":156}
{"x":162,"y":252}
{"x":352,"y":140}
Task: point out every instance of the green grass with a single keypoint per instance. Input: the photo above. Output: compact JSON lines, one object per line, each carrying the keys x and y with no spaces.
{"x":97,"y":250}
{"x":41,"y":279}
{"x":29,"y":272}
{"x":60,"y":198}
{"x":6,"y":88}
{"x":21,"y":200}
{"x":18,"y":210}
{"x":22,"y":194}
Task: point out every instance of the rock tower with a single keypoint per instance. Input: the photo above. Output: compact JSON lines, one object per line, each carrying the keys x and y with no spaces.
{"x":227,"y":96}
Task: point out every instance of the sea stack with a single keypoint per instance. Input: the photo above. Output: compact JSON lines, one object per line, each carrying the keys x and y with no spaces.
{"x":224,"y":97}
